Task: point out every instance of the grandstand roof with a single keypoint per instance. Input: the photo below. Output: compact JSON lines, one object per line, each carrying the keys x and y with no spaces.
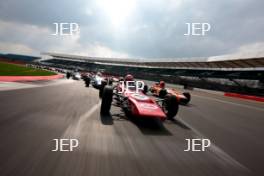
{"x":229,"y":63}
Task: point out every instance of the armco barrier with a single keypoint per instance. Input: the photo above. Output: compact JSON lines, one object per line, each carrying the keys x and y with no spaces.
{"x":29,"y":78}
{"x":248,"y":97}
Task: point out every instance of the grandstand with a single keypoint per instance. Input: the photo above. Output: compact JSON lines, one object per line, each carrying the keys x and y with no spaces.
{"x":243,"y":75}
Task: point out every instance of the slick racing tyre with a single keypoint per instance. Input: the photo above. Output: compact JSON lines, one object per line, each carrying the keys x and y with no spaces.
{"x":101,"y":88}
{"x":162,"y":93}
{"x":188,"y":98}
{"x":145,"y":89}
{"x":170,"y":106}
{"x":87,"y":81}
{"x":107,"y":97}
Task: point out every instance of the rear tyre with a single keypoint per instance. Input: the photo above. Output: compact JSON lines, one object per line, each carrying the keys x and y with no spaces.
{"x":170,"y":106}
{"x":107,"y":98}
{"x":188,"y":98}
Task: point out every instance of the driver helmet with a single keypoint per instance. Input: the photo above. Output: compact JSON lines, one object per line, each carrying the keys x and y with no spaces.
{"x":162,"y":84}
{"x":129,"y":78}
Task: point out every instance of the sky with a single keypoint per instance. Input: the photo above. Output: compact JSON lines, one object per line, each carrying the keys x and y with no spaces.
{"x":133,"y":28}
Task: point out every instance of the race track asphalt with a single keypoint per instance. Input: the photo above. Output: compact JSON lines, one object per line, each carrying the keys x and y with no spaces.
{"x":30,"y":118}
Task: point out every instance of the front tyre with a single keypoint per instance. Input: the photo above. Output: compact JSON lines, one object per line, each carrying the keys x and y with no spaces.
{"x":107,"y":98}
{"x":145,"y":89}
{"x":87,"y":81}
{"x":170,"y":106}
{"x":101,"y":88}
{"x":162,"y":93}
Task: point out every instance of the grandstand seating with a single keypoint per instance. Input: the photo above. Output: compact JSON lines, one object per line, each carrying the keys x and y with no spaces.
{"x":246,"y":75}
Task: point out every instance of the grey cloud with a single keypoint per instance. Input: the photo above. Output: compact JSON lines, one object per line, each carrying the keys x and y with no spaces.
{"x":155,"y":29}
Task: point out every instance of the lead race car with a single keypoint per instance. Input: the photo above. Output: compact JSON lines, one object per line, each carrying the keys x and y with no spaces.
{"x":158,"y":89}
{"x":134,"y":102}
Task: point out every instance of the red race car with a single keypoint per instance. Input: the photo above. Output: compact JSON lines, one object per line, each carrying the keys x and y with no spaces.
{"x":158,"y":89}
{"x":136,"y":103}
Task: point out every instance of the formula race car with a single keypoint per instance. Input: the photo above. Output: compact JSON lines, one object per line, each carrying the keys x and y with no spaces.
{"x":158,"y":89}
{"x":97,"y":80}
{"x":135,"y":103}
{"x":76,"y":76}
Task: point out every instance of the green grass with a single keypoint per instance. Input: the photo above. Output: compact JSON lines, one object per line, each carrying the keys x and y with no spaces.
{"x":7,"y":69}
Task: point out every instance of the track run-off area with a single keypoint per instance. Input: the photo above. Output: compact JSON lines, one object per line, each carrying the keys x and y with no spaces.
{"x":32,"y":115}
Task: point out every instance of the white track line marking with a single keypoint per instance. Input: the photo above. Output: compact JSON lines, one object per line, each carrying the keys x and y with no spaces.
{"x":74,"y":130}
{"x":228,"y":102}
{"x":14,"y":85}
